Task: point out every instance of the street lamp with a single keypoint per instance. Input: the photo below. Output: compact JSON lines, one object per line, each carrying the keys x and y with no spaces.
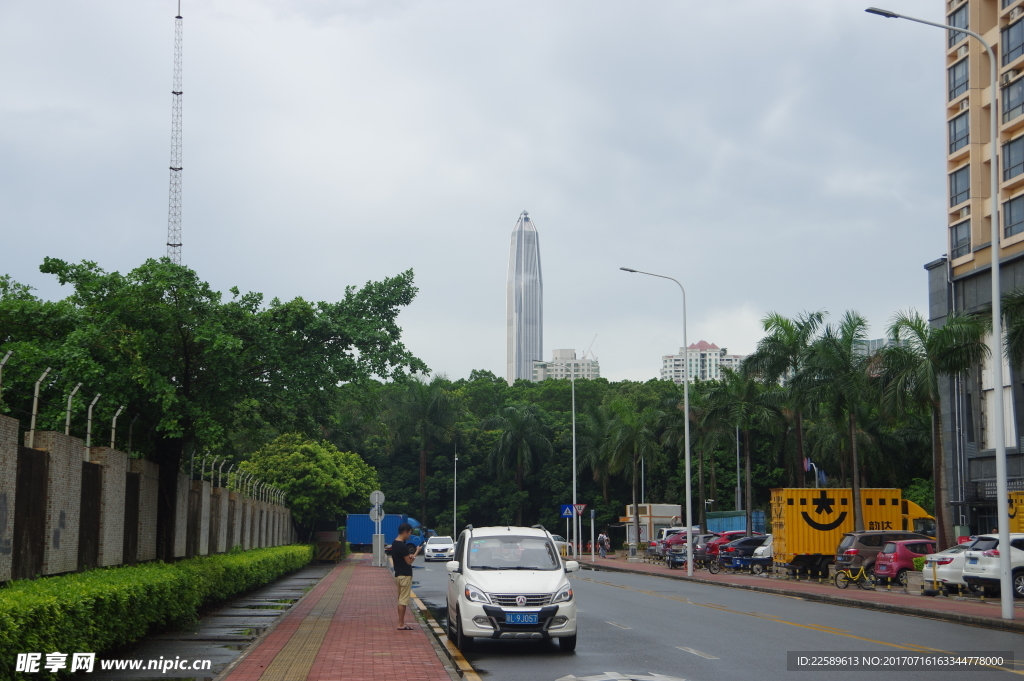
{"x":686,"y":427}
{"x":1002,"y":497}
{"x":575,"y":515}
{"x":455,"y":494}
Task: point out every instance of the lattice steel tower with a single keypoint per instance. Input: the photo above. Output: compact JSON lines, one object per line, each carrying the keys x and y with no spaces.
{"x":174,"y":203}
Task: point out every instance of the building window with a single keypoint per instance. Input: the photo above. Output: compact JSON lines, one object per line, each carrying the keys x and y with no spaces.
{"x":1013,"y":100}
{"x":958,"y":132}
{"x":958,"y":73}
{"x":960,"y":239}
{"x":958,"y":19}
{"x":960,"y":186}
{"x":1013,"y":216}
{"x":1013,"y":42}
{"x":1013,"y":158}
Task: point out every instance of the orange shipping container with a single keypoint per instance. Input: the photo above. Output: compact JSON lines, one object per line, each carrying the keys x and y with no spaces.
{"x":807,"y":524}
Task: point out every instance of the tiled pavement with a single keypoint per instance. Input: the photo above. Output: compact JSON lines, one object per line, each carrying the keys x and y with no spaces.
{"x":969,"y":611}
{"x":345,"y":629}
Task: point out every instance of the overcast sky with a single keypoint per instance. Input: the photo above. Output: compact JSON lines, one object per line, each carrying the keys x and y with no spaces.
{"x":784,"y":155}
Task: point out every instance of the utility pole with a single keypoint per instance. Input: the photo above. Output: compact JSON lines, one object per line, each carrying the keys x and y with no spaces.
{"x":174,"y":203}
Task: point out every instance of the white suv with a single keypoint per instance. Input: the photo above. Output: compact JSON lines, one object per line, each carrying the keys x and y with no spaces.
{"x":981,"y":567}
{"x":510,"y":583}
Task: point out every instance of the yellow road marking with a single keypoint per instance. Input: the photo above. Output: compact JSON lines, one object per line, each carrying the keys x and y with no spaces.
{"x":698,"y":653}
{"x":465,"y":668}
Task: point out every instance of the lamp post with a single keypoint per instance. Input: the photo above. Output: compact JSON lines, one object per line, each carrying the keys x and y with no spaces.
{"x":455,"y":495}
{"x":686,"y":427}
{"x":575,"y":516}
{"x":998,"y":434}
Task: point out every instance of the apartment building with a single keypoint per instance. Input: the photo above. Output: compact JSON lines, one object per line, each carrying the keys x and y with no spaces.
{"x":961,"y":281}
{"x":704,"y":360}
{"x":564,"y":364}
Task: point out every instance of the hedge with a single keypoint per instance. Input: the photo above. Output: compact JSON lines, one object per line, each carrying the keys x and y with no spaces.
{"x":103,"y":609}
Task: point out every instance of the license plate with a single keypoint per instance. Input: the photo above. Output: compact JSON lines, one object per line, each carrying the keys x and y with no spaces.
{"x":520,"y":618}
{"x":972,"y":561}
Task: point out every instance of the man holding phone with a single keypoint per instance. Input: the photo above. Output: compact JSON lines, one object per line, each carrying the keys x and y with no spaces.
{"x":402,"y":556}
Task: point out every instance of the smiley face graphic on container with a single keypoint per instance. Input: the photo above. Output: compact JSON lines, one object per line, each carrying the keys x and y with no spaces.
{"x":823,"y":506}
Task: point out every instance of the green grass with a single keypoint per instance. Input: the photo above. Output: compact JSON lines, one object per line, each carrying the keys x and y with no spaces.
{"x":103,"y":609}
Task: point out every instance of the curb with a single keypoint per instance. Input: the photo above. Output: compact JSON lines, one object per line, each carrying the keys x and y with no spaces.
{"x":464,"y":668}
{"x":972,"y":620}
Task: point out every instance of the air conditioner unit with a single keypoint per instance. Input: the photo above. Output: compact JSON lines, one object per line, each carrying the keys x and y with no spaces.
{"x":962,"y":52}
{"x":964,"y":103}
{"x":965,"y":211}
{"x":1008,"y":76}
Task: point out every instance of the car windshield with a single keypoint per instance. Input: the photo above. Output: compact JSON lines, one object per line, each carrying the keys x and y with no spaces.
{"x":439,"y":540}
{"x":846,"y":543}
{"x":513,"y":553}
{"x":889,"y":548}
{"x":558,"y":537}
{"x":984,"y":544}
{"x":959,"y":548}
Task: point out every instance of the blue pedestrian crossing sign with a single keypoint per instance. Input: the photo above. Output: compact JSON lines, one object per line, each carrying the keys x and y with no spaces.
{"x":567,"y":511}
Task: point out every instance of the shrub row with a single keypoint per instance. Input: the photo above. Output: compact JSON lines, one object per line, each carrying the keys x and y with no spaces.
{"x":102,"y":609}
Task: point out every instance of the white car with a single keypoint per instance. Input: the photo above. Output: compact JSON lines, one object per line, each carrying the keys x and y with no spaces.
{"x":981,"y":568}
{"x":765,"y":549}
{"x":439,"y":548}
{"x":510,"y":583}
{"x":562,"y":544}
{"x":949,"y":567}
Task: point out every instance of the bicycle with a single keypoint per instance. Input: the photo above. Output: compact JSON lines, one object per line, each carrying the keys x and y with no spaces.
{"x":860,"y":577}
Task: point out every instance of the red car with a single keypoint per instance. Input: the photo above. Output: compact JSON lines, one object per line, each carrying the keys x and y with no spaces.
{"x":897,"y":558}
{"x":725,"y":538}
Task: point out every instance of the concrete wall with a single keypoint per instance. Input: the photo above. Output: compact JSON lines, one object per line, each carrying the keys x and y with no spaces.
{"x":64,"y":495}
{"x":181,"y":515}
{"x":235,"y":526}
{"x":246,"y":528}
{"x":149,"y":488}
{"x":219,"y":514}
{"x":8,"y":479}
{"x":115,"y":466}
{"x":203,"y":488}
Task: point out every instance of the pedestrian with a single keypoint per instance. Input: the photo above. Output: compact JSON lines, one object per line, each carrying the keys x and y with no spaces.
{"x":602,"y":544}
{"x":402,"y":556}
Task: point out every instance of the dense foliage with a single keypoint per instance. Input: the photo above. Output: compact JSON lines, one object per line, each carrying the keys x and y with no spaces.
{"x":102,"y":609}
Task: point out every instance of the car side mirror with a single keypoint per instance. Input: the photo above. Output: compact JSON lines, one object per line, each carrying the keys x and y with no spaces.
{"x":571,"y":566}
{"x":452,"y":566}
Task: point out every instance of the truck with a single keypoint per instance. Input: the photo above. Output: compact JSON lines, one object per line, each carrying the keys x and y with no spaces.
{"x":359,"y":529}
{"x":808,"y":523}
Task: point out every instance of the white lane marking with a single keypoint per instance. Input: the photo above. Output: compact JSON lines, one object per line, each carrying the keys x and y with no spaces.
{"x":615,"y":624}
{"x":698,"y":653}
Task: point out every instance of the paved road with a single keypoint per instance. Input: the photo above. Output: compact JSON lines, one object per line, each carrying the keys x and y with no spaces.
{"x":635,"y":624}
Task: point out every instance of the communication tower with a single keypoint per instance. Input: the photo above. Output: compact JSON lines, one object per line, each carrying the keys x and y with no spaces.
{"x":174,"y":203}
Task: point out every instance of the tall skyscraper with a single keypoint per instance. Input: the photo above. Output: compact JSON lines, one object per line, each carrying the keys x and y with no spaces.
{"x":524,"y":302}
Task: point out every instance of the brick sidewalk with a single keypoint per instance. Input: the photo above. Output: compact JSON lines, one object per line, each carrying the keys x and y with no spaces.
{"x":344,"y":629}
{"x":966,"y":611}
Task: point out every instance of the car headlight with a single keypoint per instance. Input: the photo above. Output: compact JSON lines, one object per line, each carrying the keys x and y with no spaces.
{"x":475,"y":595}
{"x":564,"y":595}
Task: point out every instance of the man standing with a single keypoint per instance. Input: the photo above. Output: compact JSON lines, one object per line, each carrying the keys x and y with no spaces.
{"x":402,"y":556}
{"x":602,"y":544}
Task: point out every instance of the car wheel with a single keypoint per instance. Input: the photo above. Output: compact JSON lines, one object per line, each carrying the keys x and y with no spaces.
{"x":901,"y":577}
{"x":462,"y":642}
{"x":756,"y":569}
{"x":1018,"y":584}
{"x":567,"y":644}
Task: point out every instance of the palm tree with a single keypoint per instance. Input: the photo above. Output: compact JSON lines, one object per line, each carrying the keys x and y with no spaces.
{"x":634,"y":436}
{"x":706,"y":434}
{"x":912,"y":368}
{"x":782,"y":354}
{"x":838,"y":369}
{"x":425,"y":415}
{"x":594,"y":441}
{"x":740,"y":399}
{"x":522,"y":438}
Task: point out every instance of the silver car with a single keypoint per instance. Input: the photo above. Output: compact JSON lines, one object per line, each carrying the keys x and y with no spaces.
{"x":439,"y":548}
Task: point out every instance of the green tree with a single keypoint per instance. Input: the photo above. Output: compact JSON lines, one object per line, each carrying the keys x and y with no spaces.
{"x":319,"y":481}
{"x":522,"y":438}
{"x":634,"y":436}
{"x":912,"y":368}
{"x":782,"y":354}
{"x":739,"y":399}
{"x":594,"y":430}
{"x":424,"y":414}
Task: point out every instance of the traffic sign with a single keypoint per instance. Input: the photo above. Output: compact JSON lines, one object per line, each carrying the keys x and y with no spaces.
{"x":376,"y":514}
{"x":566,"y":511}
{"x":579,"y":508}
{"x":377,"y":497}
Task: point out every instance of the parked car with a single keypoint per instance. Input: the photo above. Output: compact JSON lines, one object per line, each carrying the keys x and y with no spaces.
{"x":949,"y":566}
{"x":510,"y":583}
{"x":858,"y":549}
{"x":714,"y":545}
{"x":765,"y":549}
{"x":439,"y":548}
{"x":739,"y":548}
{"x":564,"y":545}
{"x":896,"y":558}
{"x":981,"y":567}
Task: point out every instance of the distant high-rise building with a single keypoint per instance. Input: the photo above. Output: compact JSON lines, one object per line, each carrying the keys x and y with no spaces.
{"x":524,"y":302}
{"x":564,"y":364}
{"x":705,"y":361}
